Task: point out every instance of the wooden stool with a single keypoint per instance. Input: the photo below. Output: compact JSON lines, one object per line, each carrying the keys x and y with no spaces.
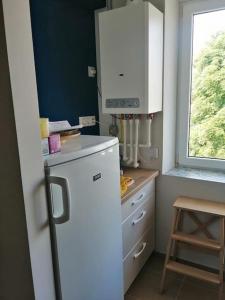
{"x":216,"y":210}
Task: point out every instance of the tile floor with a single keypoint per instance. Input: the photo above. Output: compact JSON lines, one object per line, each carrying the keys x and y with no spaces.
{"x":178,"y":287}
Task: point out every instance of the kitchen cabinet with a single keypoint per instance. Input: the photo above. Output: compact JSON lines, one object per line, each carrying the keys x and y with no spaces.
{"x":138,"y":222}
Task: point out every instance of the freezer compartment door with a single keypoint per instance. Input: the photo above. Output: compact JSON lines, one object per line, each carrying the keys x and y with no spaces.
{"x":89,"y":244}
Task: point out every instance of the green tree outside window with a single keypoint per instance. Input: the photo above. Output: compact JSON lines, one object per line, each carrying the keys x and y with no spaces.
{"x":207,"y":121}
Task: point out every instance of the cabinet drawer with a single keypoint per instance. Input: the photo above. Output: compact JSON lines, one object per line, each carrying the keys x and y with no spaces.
{"x":137,"y":199}
{"x":136,"y":224}
{"x":137,"y":257}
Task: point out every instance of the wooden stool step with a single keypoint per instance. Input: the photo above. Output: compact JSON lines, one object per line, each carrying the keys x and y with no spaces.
{"x":196,"y":241}
{"x":193,"y":272}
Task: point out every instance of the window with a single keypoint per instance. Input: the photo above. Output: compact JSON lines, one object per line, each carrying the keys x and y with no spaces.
{"x":201,"y":97}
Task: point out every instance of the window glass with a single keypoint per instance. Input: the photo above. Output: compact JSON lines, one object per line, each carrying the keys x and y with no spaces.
{"x":207,"y":103}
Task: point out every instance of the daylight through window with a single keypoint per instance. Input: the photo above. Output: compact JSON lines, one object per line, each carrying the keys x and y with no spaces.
{"x":207,"y":103}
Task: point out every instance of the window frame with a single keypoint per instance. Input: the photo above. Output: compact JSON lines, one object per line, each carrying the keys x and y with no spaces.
{"x":188,"y":10}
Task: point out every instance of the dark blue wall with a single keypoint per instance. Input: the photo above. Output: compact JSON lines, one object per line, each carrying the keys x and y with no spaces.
{"x":64,"y":47}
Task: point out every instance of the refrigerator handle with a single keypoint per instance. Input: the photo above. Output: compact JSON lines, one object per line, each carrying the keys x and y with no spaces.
{"x":64,"y":184}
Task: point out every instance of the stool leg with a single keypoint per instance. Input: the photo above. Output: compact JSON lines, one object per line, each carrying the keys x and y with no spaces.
{"x":177,"y":226}
{"x":169,"y":247}
{"x":221,"y":264}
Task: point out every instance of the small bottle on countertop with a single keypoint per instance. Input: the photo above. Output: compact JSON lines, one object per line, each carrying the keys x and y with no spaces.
{"x":44,"y":127}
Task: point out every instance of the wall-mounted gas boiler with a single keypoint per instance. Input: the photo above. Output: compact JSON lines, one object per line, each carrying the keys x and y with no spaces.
{"x":131,"y":59}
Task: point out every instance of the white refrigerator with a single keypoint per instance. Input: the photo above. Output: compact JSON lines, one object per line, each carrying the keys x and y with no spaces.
{"x":85,"y":215}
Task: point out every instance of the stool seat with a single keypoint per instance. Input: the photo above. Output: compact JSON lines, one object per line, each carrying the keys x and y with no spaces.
{"x":199,"y":205}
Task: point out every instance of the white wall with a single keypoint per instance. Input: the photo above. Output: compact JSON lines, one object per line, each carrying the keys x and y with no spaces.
{"x":118,"y":3}
{"x":171,"y":24}
{"x":25,"y":103}
{"x":104,"y":119}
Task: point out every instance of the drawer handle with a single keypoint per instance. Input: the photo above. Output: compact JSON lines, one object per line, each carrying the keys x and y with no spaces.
{"x":140,"y":218}
{"x":141,"y":251}
{"x":139,"y":199}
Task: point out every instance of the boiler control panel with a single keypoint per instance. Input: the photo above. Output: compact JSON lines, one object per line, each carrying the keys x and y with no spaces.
{"x":123,"y":103}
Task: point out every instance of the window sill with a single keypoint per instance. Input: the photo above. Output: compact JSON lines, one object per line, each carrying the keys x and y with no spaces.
{"x":198,"y":174}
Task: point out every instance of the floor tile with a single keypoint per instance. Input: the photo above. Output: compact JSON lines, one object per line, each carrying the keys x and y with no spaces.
{"x":128,"y":297}
{"x":146,"y":287}
{"x":199,"y":283}
{"x":196,"y":292}
{"x":155,"y":263}
{"x":177,"y":287}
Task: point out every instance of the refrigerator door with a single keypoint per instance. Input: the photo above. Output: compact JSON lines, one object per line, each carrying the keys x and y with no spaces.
{"x":88,"y":244}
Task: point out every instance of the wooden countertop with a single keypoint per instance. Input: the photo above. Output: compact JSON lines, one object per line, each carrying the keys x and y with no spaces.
{"x":141,"y":177}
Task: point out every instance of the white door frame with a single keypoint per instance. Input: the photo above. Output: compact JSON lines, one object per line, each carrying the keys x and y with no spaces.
{"x":25,"y":102}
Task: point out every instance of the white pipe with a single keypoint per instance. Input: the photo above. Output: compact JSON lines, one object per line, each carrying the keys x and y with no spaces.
{"x":131,"y":121}
{"x":148,"y":132}
{"x":136,"y":164}
{"x":109,"y":4}
{"x":125,"y":140}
